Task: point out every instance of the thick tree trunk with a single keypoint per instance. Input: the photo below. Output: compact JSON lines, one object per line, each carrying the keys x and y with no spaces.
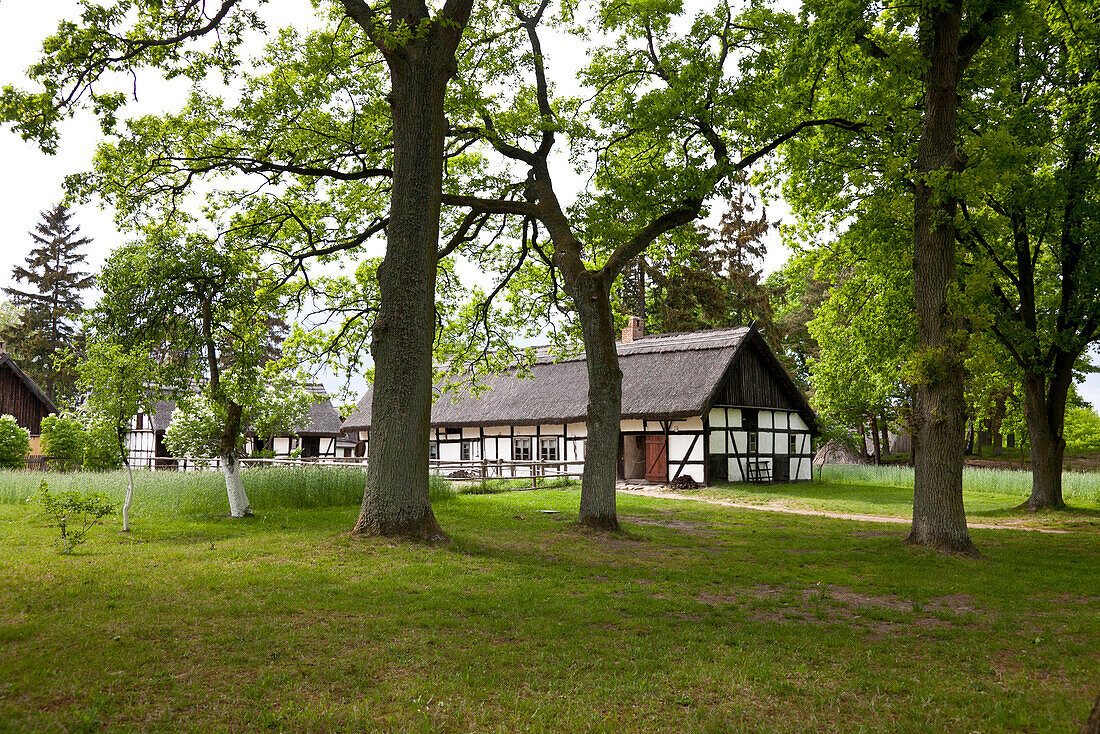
{"x":1045,"y":411}
{"x":885,"y":428}
{"x":939,"y":520}
{"x":396,"y":500}
{"x":591,"y":295}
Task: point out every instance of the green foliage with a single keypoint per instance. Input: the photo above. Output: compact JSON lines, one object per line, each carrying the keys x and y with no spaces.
{"x":101,"y":453}
{"x":64,"y":441}
{"x":196,"y":427}
{"x":73,"y":513}
{"x":15,"y":443}
{"x":1082,"y":429}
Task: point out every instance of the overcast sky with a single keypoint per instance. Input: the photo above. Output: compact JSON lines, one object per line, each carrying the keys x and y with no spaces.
{"x":32,"y":181}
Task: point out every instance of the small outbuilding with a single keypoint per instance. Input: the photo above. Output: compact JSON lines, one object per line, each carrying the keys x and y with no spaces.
{"x":21,"y":398}
{"x":713,"y":405}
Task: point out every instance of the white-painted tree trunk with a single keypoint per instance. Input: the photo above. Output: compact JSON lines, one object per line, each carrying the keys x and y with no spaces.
{"x":129,"y":498}
{"x":234,"y":487}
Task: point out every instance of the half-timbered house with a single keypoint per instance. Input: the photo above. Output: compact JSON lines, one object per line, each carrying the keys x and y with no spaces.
{"x":713,"y":405}
{"x":21,"y":398}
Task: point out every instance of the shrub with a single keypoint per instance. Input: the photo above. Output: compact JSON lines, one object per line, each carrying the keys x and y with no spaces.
{"x":73,"y":513}
{"x":63,"y":441}
{"x":101,"y":447}
{"x":1082,"y":430}
{"x":15,"y":443}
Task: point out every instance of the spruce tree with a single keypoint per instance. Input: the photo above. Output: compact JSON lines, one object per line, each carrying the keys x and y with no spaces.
{"x":51,"y":302}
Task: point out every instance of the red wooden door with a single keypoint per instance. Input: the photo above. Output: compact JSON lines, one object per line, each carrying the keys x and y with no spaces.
{"x":656,"y":459}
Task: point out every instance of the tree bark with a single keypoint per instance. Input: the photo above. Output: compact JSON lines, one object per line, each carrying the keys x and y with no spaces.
{"x":875,"y":437}
{"x":591,"y":294}
{"x":885,"y":428}
{"x":231,"y":468}
{"x":396,"y":500}
{"x":939,"y":520}
{"x":129,"y":496}
{"x":1045,"y":411}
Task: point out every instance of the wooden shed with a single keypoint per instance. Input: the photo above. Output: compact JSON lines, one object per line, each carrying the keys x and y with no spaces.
{"x":22,"y":398}
{"x":713,"y":405}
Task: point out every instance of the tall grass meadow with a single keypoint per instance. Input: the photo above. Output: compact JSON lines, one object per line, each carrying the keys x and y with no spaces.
{"x":203,"y":492}
{"x":1081,"y":486}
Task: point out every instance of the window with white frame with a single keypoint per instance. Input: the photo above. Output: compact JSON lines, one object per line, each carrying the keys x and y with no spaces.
{"x":792,"y":443}
{"x":548,"y":449}
{"x":433,"y":449}
{"x":521,"y":449}
{"x":467,"y":450}
{"x":754,"y":442}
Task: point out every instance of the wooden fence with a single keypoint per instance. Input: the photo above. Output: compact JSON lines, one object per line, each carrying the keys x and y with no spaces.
{"x":472,"y":471}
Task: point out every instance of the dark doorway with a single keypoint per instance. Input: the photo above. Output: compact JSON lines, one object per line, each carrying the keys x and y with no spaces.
{"x":311,"y":447}
{"x":656,"y":458}
{"x":632,"y":457}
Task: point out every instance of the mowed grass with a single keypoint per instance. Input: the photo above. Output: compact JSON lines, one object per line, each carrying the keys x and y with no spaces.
{"x":697,"y":618}
{"x":988,"y":494}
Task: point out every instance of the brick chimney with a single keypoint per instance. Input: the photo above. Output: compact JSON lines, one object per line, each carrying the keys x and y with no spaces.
{"x":635,"y":329}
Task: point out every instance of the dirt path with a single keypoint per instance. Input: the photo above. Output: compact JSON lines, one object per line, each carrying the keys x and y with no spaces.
{"x":785,"y":509}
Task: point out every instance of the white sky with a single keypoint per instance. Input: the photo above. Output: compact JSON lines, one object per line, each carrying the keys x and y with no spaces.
{"x":32,"y":180}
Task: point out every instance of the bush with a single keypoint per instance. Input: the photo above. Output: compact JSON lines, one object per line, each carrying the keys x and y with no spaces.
{"x":15,"y":443}
{"x":1082,"y":430}
{"x":63,"y":441}
{"x":74,"y":513}
{"x":101,"y":447}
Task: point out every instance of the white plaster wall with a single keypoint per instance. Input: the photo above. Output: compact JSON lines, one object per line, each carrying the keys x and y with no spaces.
{"x":735,"y":417}
{"x":717,"y":417}
{"x":797,"y":423}
{"x":689,"y":424}
{"x":281,"y":446}
{"x":781,"y":420}
{"x":577,"y":429}
{"x":765,"y":442}
{"x":498,"y":431}
{"x":734,"y":469}
{"x":471,"y":433}
{"x":450,"y":451}
{"x":718,"y":442}
{"x":803,"y":471}
{"x":631,"y":425}
{"x":678,"y":447}
{"x":764,"y":419}
{"x":525,"y":430}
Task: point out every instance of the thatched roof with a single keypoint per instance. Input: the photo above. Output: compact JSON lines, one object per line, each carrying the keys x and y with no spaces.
{"x":323,"y":418}
{"x":665,"y":376}
{"x":31,"y":385}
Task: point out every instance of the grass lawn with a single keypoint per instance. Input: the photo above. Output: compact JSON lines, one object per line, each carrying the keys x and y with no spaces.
{"x":696,"y":618}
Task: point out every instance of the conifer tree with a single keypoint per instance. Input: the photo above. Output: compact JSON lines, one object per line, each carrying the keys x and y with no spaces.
{"x":51,"y":303}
